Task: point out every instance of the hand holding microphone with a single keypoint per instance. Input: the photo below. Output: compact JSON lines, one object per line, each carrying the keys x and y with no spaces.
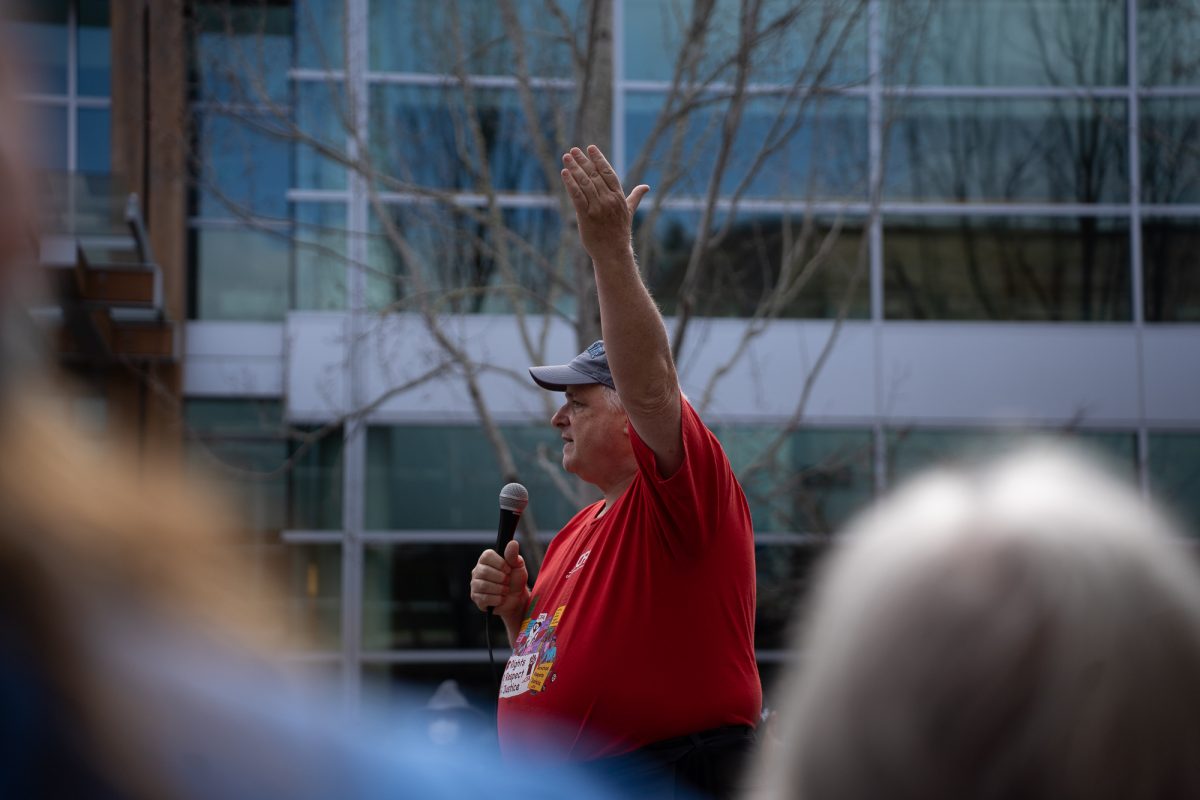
{"x":499,"y":581}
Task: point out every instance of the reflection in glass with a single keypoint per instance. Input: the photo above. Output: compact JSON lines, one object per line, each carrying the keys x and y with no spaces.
{"x":414,"y":598}
{"x":805,"y":481}
{"x":241,"y":274}
{"x":1170,"y":131}
{"x":322,"y":116}
{"x":820,"y":41}
{"x":419,"y":36}
{"x":1168,"y":31}
{"x":320,"y":33}
{"x":425,"y":136}
{"x":242,"y":52}
{"x":468,"y":264}
{"x":319,"y":256}
{"x":913,"y":450}
{"x":1010,"y":268}
{"x":95,"y":141}
{"x":1056,"y":150}
{"x":446,"y":477}
{"x":1171,"y":265}
{"x":819,"y":260}
{"x":786,"y":574}
{"x":310,"y":576}
{"x":50,"y":144}
{"x":1006,"y":42}
{"x":1175,"y":475}
{"x":283,"y":477}
{"x":94,"y":48}
{"x":244,"y":167}
{"x":784,"y":147}
{"x":39,"y":30}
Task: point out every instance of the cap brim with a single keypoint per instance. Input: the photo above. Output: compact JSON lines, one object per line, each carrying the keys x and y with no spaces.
{"x":557,"y":377}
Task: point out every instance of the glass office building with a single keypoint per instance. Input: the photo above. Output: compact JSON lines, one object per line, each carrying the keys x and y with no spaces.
{"x":1014,"y":184}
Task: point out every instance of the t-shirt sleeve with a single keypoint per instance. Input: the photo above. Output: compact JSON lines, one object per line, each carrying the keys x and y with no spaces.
{"x":694,"y":503}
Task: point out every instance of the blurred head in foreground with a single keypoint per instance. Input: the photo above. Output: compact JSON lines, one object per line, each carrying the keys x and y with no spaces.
{"x":1029,"y":629}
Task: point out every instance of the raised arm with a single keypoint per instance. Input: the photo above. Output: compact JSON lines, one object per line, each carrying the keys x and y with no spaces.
{"x":635,"y":339}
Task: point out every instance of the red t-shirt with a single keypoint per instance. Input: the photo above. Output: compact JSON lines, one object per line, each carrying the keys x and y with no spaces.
{"x":641,"y":623}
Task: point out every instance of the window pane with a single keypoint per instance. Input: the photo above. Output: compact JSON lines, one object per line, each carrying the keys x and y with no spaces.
{"x":812,"y":270}
{"x":911,"y":451}
{"x":1118,"y":449}
{"x":1058,"y":150}
{"x":319,"y":253}
{"x":95,"y":141}
{"x":291,"y":475}
{"x":39,"y":32}
{"x":784,"y":147}
{"x":250,"y":470}
{"x":48,"y":136}
{"x":786,"y":574}
{"x":415,"y":597}
{"x":244,"y":168}
{"x":420,"y":135}
{"x":243,"y":52}
{"x":1175,"y":474}
{"x":95,"y":50}
{"x":441,"y":477}
{"x":1171,"y":264}
{"x":310,"y":578}
{"x":235,"y":418}
{"x":467,"y":264}
{"x":806,"y":481}
{"x":321,"y":116}
{"x":419,"y":36}
{"x":320,"y":34}
{"x":1007,"y":42}
{"x":817,"y":42}
{"x":1170,"y":130}
{"x":241,"y":274}
{"x":1167,"y":34}
{"x":1012,"y":268}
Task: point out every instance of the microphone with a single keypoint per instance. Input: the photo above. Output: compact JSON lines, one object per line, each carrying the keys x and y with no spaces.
{"x":513,"y":499}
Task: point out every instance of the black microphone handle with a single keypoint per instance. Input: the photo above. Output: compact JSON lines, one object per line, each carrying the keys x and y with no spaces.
{"x":508,"y":527}
{"x":505,"y":533}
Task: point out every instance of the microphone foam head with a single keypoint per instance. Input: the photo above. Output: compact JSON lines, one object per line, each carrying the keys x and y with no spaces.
{"x":514,"y":497}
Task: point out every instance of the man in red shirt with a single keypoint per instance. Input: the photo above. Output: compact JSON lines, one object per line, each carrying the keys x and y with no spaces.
{"x":638,"y":636}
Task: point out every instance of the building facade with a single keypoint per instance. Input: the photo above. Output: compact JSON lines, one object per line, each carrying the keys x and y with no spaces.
{"x":967,"y":219}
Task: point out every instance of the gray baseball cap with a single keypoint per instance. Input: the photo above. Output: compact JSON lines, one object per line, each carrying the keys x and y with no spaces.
{"x":590,"y":366}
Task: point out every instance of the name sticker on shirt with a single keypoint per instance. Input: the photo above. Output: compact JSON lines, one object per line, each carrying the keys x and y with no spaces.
{"x":517,"y":674}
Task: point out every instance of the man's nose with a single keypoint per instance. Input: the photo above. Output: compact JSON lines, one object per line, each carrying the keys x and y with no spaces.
{"x":559,"y":420}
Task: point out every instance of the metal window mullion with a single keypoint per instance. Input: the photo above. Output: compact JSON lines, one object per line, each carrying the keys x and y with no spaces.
{"x":72,"y":94}
{"x":1136,"y":292}
{"x":354,"y":430}
{"x":875,"y":234}
{"x":618,"y":86}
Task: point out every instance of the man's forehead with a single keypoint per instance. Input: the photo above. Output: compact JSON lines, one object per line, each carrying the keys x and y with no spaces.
{"x":573,"y":392}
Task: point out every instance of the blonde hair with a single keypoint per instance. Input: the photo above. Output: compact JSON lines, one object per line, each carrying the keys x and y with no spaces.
{"x":1030,"y":629}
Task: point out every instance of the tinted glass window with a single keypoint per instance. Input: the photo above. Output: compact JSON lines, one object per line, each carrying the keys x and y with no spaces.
{"x":1006,"y":42}
{"x":1007,"y":268}
{"x":1058,"y":150}
{"x":1171,"y":265}
{"x":798,"y":267}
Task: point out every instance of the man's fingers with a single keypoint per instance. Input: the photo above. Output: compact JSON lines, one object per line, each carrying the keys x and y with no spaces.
{"x":578,"y":198}
{"x":486,"y":601}
{"x":586,"y":184}
{"x":605,"y":170}
{"x":635,"y":197}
